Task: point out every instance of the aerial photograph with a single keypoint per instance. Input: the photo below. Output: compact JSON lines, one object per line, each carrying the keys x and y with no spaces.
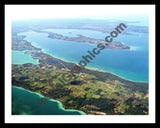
{"x":79,"y":60}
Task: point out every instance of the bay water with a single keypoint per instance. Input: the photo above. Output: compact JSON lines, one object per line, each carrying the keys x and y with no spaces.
{"x":130,"y":64}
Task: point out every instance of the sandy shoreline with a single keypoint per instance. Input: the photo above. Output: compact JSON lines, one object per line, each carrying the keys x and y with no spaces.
{"x":60,"y":105}
{"x":89,"y":68}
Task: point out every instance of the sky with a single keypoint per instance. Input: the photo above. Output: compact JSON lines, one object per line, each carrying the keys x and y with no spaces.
{"x":72,"y":11}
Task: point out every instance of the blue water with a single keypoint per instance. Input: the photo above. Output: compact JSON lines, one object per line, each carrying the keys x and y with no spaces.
{"x":130,"y":64}
{"x":18,"y":57}
{"x":25,"y":102}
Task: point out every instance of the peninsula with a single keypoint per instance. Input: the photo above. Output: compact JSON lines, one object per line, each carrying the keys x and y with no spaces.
{"x":81,"y":38}
{"x":93,"y":92}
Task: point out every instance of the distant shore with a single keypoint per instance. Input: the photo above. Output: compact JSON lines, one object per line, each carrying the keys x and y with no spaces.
{"x":81,"y":38}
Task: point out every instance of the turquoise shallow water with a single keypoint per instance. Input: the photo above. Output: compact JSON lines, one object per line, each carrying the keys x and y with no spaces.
{"x":25,"y":102}
{"x":130,"y":64}
{"x":18,"y":57}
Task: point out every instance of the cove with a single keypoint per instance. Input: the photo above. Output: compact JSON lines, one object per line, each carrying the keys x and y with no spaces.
{"x":19,"y":57}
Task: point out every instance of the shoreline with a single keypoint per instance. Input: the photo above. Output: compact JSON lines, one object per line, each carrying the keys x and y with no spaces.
{"x":100,"y":70}
{"x":60,"y":105}
{"x":89,"y":68}
{"x":92,"y":68}
{"x":104,"y":74}
{"x":36,"y":60}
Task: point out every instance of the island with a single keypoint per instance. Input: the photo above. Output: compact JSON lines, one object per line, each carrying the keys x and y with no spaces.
{"x":93,"y":92}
